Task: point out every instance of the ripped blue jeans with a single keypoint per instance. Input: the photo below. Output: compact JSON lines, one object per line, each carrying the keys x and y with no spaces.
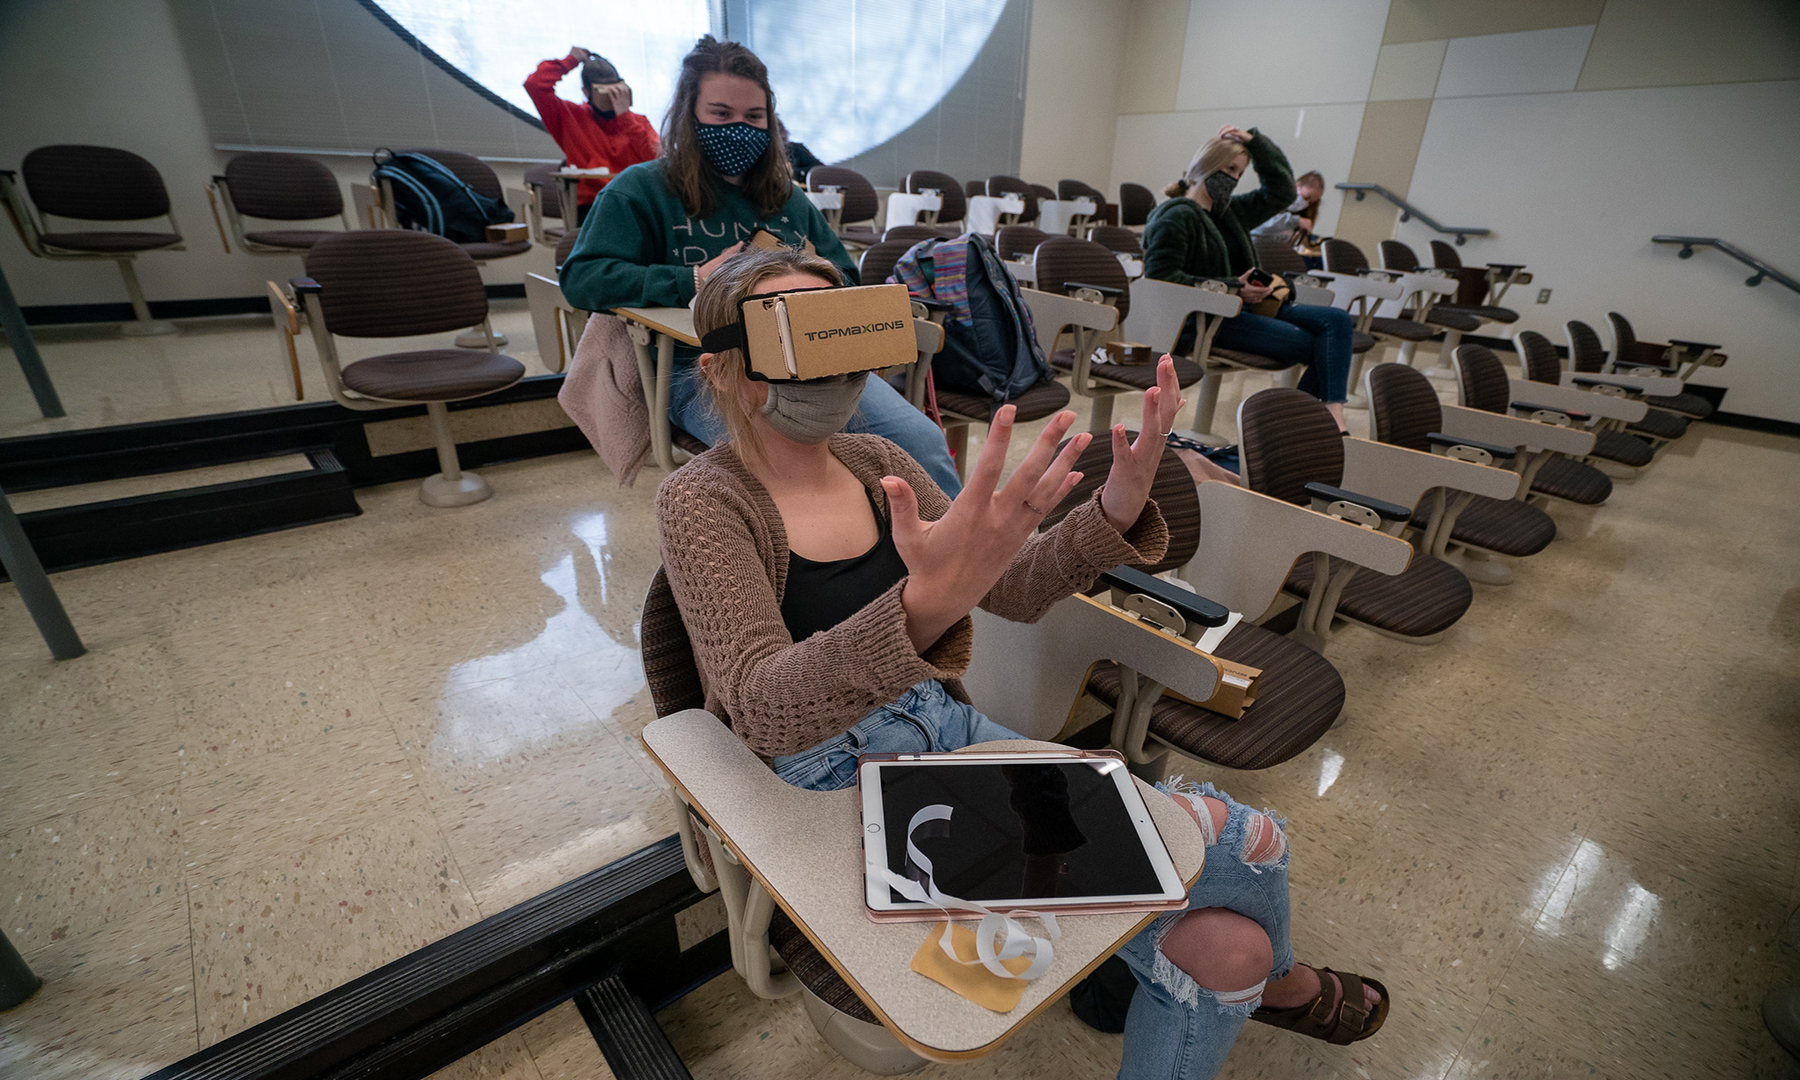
{"x":1176,"y":1029}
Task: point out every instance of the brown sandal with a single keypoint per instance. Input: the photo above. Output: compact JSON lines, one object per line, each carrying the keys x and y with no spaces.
{"x":1346,"y":1022}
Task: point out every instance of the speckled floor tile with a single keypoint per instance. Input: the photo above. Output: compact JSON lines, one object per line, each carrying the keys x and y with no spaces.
{"x":506,"y":1058}
{"x":310,"y":917}
{"x":282,"y":707}
{"x":563,"y":1047}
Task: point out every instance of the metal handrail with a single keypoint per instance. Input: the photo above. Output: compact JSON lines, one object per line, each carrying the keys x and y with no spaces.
{"x":1408,"y":211}
{"x":1763,"y":269}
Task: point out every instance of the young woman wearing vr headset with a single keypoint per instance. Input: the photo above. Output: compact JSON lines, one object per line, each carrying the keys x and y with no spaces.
{"x":659,"y":229}
{"x":826,"y":582}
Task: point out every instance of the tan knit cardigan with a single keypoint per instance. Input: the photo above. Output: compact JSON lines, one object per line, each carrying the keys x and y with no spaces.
{"x":725,"y":550}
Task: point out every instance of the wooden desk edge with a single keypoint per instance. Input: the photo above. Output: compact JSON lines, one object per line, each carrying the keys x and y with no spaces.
{"x":924,"y":1050}
{"x":642,"y":317}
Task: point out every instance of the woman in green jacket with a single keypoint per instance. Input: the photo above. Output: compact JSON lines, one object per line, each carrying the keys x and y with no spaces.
{"x":660,"y":229}
{"x":1204,"y":232}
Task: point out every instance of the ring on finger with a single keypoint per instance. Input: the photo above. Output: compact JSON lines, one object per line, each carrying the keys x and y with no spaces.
{"x":1032,"y":508}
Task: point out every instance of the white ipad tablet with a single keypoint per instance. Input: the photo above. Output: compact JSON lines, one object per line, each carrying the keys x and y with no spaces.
{"x":1062,"y":832}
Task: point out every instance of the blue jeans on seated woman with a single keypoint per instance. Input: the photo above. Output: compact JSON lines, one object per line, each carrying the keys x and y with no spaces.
{"x":884,"y":412}
{"x":1176,"y":1029}
{"x":1316,"y":336}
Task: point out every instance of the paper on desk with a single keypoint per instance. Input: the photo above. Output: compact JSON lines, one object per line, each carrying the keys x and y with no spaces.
{"x":969,"y":979}
{"x":1209,"y":641}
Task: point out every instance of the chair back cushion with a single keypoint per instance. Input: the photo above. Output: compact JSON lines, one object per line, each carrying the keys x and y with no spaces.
{"x":1444,"y":256}
{"x":1287,"y":441}
{"x":1276,"y":255}
{"x":911,"y":233}
{"x":1585,"y":351}
{"x":860,"y":200}
{"x":1343,"y":257}
{"x":395,"y":283}
{"x":468,"y":168}
{"x":283,"y":187}
{"x":1135,"y":204}
{"x":1537,"y":357}
{"x":1017,"y":241}
{"x":1482,"y":378}
{"x":1403,"y":406}
{"x":878,"y":261}
{"x":1118,"y":238}
{"x":1044,"y":192}
{"x":956,"y":203}
{"x":974,"y":188}
{"x":1012,"y":185}
{"x":1173,"y":490}
{"x":1397,"y":256}
{"x":543,"y":177}
{"x":97,"y":183}
{"x":1075,"y":189}
{"x":564,"y":247}
{"x":1062,"y":259}
{"x":669,"y":665}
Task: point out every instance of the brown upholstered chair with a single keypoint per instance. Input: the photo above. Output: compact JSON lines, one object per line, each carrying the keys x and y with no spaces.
{"x":1405,"y":411}
{"x":1012,"y":185}
{"x":1291,"y":450}
{"x":1277,"y":256}
{"x":1088,"y":271}
{"x":1612,"y":407}
{"x":476,"y":173}
{"x":1118,"y":239}
{"x":555,"y":323}
{"x":876,"y":263}
{"x":284,"y":188}
{"x":1135,"y":203}
{"x":1400,"y":258}
{"x":1675,"y":360}
{"x":1478,"y":285}
{"x":912,"y":234}
{"x":383,"y":283}
{"x":1589,"y":368}
{"x":1419,"y":322}
{"x":854,"y":222}
{"x":1482,"y":380}
{"x":947,"y":219}
{"x":1015,"y":243}
{"x":1081,"y":225}
{"x":94,"y":183}
{"x":543,"y":200}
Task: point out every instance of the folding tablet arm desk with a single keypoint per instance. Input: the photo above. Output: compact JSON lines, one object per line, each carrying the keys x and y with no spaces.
{"x":805,"y":847}
{"x":662,"y":327}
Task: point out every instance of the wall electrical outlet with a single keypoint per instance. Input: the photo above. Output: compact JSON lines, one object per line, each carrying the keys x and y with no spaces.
{"x":1543,"y":296}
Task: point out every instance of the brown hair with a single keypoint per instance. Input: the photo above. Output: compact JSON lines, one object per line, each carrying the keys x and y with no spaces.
{"x":1311,"y":213}
{"x":717,"y":304}
{"x":769,"y":183}
{"x":1213,"y":155}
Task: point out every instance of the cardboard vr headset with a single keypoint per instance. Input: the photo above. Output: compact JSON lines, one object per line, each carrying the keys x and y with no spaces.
{"x":818,"y":333}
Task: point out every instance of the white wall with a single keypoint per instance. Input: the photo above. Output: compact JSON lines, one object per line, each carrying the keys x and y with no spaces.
{"x":1575,"y":184}
{"x":1072,"y":89}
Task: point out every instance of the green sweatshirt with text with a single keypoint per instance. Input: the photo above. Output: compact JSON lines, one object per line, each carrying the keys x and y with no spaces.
{"x":638,"y":246}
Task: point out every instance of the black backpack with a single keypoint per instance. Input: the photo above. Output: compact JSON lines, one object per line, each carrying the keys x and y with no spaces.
{"x":429,"y":197}
{"x":990,"y":345}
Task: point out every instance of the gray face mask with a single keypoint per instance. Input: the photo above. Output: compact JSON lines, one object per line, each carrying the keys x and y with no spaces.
{"x":811,"y":412}
{"x":1219,"y":187}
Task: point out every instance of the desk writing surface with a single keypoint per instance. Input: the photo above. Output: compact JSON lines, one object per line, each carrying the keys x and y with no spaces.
{"x":805,"y":846}
{"x":677,"y":322}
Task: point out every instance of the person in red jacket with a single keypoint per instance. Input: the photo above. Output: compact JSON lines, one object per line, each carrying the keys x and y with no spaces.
{"x":603,"y":132}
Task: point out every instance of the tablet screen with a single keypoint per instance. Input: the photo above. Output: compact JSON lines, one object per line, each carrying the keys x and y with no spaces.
{"x":1031,"y":829}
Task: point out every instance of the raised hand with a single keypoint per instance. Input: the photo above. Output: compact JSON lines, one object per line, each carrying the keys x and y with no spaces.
{"x":951,"y":563}
{"x":1234,"y":133}
{"x":1134,"y":463}
{"x":579,"y":54}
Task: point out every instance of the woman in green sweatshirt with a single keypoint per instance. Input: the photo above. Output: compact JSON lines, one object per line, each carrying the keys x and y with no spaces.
{"x":1204,"y":232}
{"x":660,"y":228}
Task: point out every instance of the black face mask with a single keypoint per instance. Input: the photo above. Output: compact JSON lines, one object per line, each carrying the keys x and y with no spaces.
{"x":1219,"y":187}
{"x":604,"y":114}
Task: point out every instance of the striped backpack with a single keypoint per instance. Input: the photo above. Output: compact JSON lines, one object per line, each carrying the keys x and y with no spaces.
{"x":990,"y":345}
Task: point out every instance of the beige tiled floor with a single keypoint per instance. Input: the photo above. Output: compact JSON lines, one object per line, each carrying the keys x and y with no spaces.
{"x":1565,"y":837}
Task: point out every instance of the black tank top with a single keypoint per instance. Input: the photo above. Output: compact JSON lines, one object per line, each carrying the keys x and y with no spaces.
{"x":820,"y":595}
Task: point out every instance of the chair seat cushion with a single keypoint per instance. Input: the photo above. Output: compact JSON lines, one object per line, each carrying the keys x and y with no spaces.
{"x":860,"y":235}
{"x":1360,"y":342}
{"x":1424,"y":599}
{"x":483,"y":250}
{"x":1572,"y":481}
{"x":432,"y":375}
{"x":1684,"y":403}
{"x":1248,"y":360}
{"x":110,"y":242}
{"x":1136,"y":376}
{"x":1661,"y":424}
{"x":1484,"y":311}
{"x":809,"y":965}
{"x":1034,"y":404}
{"x":1404,"y":329}
{"x":1449,"y":317}
{"x":1506,"y":526}
{"x":298,"y":239}
{"x":1623,"y":448}
{"x":1301,"y":696}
